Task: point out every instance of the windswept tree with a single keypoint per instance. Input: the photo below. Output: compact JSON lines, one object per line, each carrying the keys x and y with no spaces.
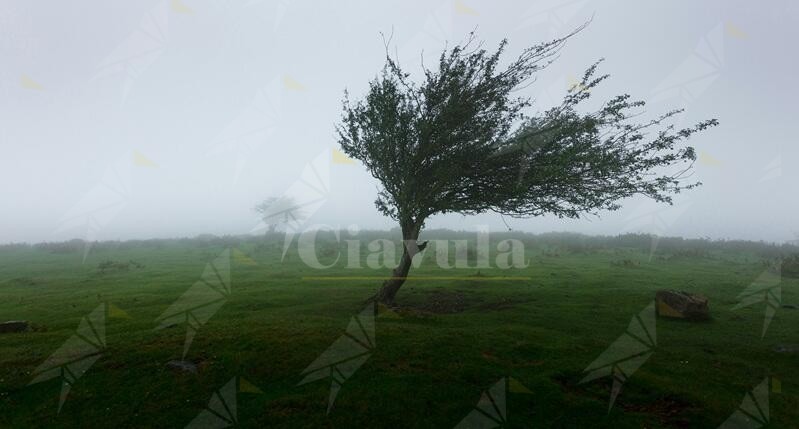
{"x":460,"y":140}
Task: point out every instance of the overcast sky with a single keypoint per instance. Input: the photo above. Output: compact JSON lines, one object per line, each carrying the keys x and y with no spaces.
{"x":172,"y":118}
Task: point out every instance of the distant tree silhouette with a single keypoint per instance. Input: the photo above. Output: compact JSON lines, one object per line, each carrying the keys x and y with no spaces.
{"x":460,"y":141}
{"x":279,"y":212}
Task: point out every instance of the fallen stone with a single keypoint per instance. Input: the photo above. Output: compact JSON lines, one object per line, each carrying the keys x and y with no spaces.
{"x":681,"y":305}
{"x":786,"y":348}
{"x":14,"y":326}
{"x":182,"y":366}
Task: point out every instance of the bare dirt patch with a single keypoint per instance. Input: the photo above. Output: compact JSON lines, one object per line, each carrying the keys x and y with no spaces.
{"x":443,"y":302}
{"x":453,"y":301}
{"x":669,"y":410}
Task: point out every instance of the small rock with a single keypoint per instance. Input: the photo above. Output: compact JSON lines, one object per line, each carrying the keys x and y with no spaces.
{"x":14,"y":326}
{"x":786,"y":348}
{"x":681,"y":305}
{"x":182,"y":366}
{"x":790,"y":306}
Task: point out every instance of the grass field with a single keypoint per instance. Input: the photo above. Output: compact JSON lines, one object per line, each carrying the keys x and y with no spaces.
{"x":524,"y":336}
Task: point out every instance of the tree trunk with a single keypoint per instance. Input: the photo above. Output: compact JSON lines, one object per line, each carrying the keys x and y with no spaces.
{"x":410,"y":248}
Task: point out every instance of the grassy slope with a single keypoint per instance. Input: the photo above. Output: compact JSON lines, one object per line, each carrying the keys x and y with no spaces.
{"x":428,"y":370}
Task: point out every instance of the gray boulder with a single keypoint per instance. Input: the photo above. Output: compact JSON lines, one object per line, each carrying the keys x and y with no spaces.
{"x":681,"y":305}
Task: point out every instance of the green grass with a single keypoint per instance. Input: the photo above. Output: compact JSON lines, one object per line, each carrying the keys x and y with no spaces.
{"x":428,"y":369}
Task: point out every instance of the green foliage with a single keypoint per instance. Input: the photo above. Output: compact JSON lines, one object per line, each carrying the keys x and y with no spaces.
{"x":461,"y":141}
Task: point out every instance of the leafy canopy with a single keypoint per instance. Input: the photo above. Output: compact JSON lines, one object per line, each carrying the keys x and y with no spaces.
{"x":461,"y":141}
